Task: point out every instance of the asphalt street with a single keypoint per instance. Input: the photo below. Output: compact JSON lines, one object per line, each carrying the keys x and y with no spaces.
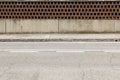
{"x":60,"y":46}
{"x":59,"y":61}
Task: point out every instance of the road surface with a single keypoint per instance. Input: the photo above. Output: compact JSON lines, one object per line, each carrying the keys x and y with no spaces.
{"x":59,"y":61}
{"x":60,"y":46}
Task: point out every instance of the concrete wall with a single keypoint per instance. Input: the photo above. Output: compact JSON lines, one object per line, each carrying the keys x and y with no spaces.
{"x":59,"y":26}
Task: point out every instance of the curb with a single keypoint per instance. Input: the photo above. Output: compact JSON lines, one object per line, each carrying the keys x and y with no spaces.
{"x":60,"y":37}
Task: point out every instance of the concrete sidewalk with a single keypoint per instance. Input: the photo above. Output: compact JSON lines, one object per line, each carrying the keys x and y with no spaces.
{"x":60,"y":37}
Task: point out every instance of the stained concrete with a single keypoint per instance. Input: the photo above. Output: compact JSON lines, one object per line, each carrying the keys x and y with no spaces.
{"x":13,"y":26}
{"x":59,"y":26}
{"x":117,"y":26}
{"x":86,"y":26}
{"x":39,"y":26}
{"x":2,"y":26}
{"x":71,"y":26}
{"x":49,"y":26}
{"x":30,"y":26}
{"x":104,"y":25}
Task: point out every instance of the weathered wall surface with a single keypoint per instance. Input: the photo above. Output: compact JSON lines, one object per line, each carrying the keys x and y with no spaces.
{"x":58,"y":26}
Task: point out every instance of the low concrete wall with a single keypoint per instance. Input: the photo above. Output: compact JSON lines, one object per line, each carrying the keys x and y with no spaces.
{"x":59,"y":26}
{"x":86,"y":26}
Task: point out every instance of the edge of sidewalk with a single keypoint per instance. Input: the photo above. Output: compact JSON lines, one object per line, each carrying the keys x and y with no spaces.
{"x":59,"y":37}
